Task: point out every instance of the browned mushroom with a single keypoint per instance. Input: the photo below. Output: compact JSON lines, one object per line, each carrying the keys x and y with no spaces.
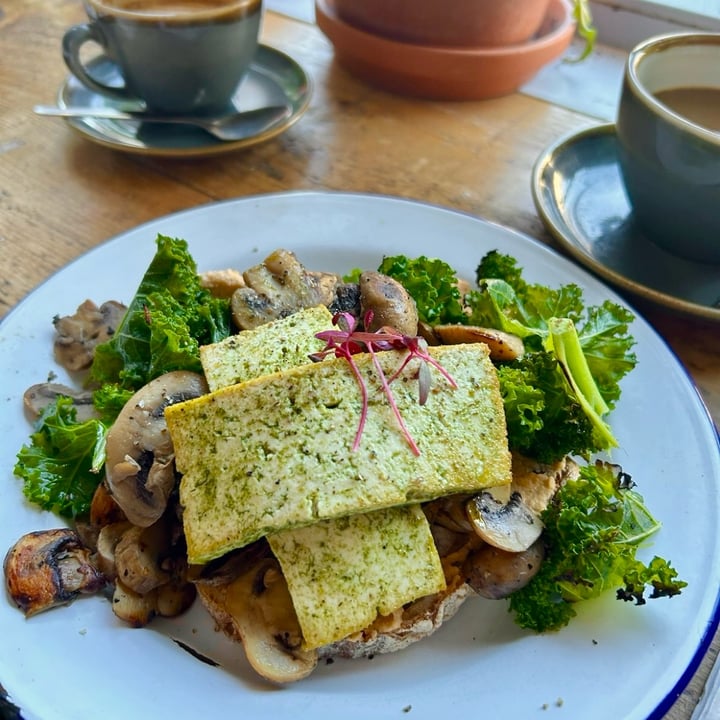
{"x":510,"y":526}
{"x":256,"y":608}
{"x":389,"y":302}
{"x":78,"y":334}
{"x":278,"y":287}
{"x":140,"y":468}
{"x":496,"y":574}
{"x":138,"y":554}
{"x":503,"y":346}
{"x":47,"y":568}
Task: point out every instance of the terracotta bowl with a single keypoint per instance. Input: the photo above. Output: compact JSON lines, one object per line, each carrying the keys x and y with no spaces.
{"x":440,"y":72}
{"x":469,"y":23}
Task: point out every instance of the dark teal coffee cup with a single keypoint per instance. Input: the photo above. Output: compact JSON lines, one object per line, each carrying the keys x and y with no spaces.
{"x":175,"y":56}
{"x":668,"y":133}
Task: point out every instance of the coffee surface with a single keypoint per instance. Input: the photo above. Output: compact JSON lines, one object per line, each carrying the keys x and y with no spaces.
{"x":180,"y":9}
{"x":700,"y":105}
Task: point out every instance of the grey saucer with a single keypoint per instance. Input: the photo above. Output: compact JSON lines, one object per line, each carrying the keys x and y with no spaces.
{"x":273,"y":79}
{"x":580,"y":197}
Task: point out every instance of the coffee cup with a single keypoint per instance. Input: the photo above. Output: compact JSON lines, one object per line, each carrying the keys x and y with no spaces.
{"x":668,"y":135}
{"x":174,"y":56}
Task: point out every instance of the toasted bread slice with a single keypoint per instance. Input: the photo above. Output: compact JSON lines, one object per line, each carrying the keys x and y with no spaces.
{"x":277,"y":452}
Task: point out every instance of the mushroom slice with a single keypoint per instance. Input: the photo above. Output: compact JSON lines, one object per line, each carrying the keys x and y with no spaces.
{"x":47,"y":568}
{"x":503,"y":346}
{"x":496,"y":574}
{"x":138,"y":554}
{"x":510,"y":526}
{"x":78,"y":334}
{"x":278,"y":287}
{"x":256,"y":608}
{"x":107,"y":540}
{"x":140,"y":468}
{"x":174,"y":598}
{"x":390,"y":303}
{"x":133,"y":608}
{"x":38,"y":397}
{"x":222,"y":283}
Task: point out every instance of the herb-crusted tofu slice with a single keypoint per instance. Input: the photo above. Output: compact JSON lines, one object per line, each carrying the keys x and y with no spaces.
{"x":275,"y":346}
{"x":275,"y":453}
{"x":342,"y":573}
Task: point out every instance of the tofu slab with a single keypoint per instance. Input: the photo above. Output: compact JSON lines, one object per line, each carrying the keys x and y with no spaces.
{"x":275,"y":453}
{"x":342,"y":573}
{"x":276,"y":346}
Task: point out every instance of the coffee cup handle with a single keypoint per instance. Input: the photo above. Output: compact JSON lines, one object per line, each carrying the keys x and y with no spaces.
{"x":73,"y":39}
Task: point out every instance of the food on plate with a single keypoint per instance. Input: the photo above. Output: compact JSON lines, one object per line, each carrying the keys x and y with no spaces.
{"x":335,"y":464}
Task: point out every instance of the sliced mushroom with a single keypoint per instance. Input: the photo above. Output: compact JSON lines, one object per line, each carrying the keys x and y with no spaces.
{"x":108,"y":538}
{"x":496,"y":574}
{"x":347,"y":299}
{"x":390,"y":303}
{"x":38,"y":397}
{"x":256,"y":607}
{"x":78,"y":334}
{"x":140,"y":469}
{"x":278,"y":287}
{"x":510,"y":526}
{"x":538,"y":482}
{"x":133,"y":608}
{"x":222,"y":283}
{"x":138,"y":555}
{"x":103,"y":508}
{"x":47,"y":568}
{"x":503,"y":346}
{"x":174,"y":598}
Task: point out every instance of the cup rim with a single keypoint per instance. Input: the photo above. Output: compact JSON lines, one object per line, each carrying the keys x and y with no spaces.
{"x":657,"y":44}
{"x":108,"y":7}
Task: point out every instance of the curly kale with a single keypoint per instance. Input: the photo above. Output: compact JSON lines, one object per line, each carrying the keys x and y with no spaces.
{"x":433,"y":285}
{"x":593,"y":530}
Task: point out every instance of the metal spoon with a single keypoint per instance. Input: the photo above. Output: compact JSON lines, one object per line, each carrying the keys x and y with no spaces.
{"x":234,"y":126}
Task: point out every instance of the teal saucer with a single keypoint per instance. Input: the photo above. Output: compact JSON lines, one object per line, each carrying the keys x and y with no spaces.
{"x":273,"y":79}
{"x":580,"y":196}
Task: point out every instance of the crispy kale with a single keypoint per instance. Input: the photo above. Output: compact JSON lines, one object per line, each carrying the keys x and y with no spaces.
{"x":593,"y":530}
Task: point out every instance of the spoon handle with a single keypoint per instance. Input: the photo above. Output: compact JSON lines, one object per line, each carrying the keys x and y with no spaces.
{"x":108,"y":113}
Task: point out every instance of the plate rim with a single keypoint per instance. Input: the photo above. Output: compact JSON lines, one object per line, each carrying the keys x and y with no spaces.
{"x":80,"y":127}
{"x":540,"y":198}
{"x":714,"y":619}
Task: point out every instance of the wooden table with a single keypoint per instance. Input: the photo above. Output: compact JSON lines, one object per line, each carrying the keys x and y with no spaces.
{"x":61,"y":195}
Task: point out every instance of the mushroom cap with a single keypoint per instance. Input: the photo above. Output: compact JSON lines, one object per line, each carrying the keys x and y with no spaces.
{"x":140,"y":471}
{"x":510,"y":526}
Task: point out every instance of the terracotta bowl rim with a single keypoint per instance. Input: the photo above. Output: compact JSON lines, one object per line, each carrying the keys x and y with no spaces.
{"x":561,"y":7}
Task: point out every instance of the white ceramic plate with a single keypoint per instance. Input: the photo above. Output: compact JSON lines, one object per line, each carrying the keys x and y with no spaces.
{"x":615,"y":660}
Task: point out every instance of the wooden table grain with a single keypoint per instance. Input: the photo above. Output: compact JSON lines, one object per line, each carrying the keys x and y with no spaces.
{"x":61,"y":195}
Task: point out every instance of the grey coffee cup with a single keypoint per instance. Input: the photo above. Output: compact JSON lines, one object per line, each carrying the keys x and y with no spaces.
{"x":176,"y":56}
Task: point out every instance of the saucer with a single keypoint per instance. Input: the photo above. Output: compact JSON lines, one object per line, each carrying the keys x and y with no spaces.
{"x":580,"y":196}
{"x":273,"y":79}
{"x":445,"y":73}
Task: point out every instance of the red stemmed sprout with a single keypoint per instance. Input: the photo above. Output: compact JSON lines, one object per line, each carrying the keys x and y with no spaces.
{"x":347,"y":340}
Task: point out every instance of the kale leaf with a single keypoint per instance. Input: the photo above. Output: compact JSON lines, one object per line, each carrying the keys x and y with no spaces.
{"x":61,"y":467}
{"x":169,"y":318}
{"x":593,"y":530}
{"x":433,"y":285}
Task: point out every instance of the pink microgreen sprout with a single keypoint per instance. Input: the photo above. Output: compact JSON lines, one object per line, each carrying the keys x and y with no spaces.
{"x":347,"y":341}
